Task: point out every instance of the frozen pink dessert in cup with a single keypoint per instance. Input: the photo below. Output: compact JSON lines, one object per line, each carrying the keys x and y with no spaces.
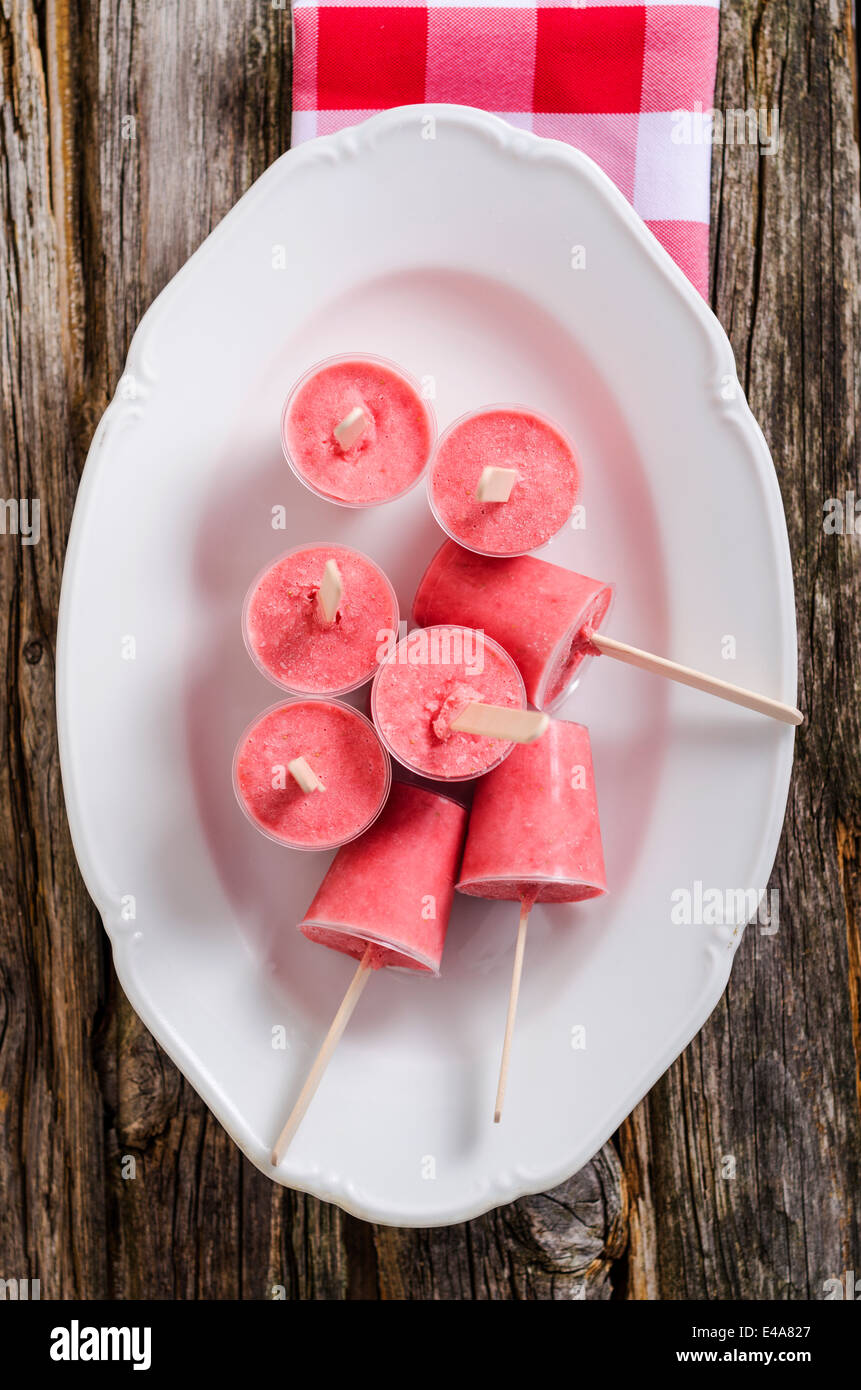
{"x":386,"y":901}
{"x":503,"y":480}
{"x":292,"y":640}
{"x":356,"y":430}
{"x":377,"y":889}
{"x":550,"y":620}
{"x":542,"y":614}
{"x":534,"y":832}
{"x":311,"y":774}
{"x":534,"y":837}
{"x":422,"y":687}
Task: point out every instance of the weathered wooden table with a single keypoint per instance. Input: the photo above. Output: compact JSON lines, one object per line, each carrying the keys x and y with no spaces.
{"x":127,"y":132}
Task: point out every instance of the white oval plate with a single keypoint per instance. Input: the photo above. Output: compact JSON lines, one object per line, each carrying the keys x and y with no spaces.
{"x":442,"y":238}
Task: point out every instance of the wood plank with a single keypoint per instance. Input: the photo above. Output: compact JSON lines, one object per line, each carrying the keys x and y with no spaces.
{"x":52,"y":1166}
{"x":126,"y":132}
{"x":772,"y":1080}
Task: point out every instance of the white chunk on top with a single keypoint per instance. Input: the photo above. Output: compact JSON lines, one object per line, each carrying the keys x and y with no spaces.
{"x":351,"y":428}
{"x":498,"y":721}
{"x":303,"y":773}
{"x":330,"y":592}
{"x":495,"y":484}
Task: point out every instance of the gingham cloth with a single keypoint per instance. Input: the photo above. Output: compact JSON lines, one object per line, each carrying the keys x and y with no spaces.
{"x":614,"y":80}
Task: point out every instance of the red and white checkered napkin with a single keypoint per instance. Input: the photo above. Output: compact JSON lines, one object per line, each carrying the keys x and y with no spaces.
{"x":614,"y":80}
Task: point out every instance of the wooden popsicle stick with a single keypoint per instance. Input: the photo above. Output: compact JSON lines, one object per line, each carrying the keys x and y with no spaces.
{"x":514,"y":992}
{"x":351,"y":428}
{"x":330,"y":592}
{"x":324,"y":1056}
{"x":498,"y":721}
{"x":302,"y":772}
{"x":495,"y":484}
{"x":685,"y":675}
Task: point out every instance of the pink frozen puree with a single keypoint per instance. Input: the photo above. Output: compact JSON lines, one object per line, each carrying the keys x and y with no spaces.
{"x":386,"y":460}
{"x":414,"y":701}
{"x":540,"y":613}
{"x":291,"y":641}
{"x":534,"y":831}
{"x":344,"y":751}
{"x":541,"y":499}
{"x":394,"y":886}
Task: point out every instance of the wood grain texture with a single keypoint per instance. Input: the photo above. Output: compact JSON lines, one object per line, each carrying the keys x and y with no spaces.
{"x":126,"y":132}
{"x":771,"y":1082}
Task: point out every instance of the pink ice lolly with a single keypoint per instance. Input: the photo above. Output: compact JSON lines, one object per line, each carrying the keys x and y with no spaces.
{"x":534,"y":837}
{"x":340,"y":746}
{"x":393,"y":887}
{"x":426,"y":682}
{"x":534,"y":833}
{"x":540,"y":613}
{"x":548,"y":619}
{"x":389,"y":455}
{"x":386,"y":901}
{"x":505,"y":437}
{"x":288,"y":637}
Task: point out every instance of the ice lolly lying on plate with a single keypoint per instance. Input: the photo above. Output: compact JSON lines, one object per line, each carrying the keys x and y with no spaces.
{"x":386,"y":900}
{"x":548,"y":619}
{"x":534,"y":836}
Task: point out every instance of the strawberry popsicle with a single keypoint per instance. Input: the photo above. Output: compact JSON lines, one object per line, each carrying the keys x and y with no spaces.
{"x":393,"y":888}
{"x":503,"y":480}
{"x":386,"y":901}
{"x":356,"y":431}
{"x":534,"y":836}
{"x":311,"y":774}
{"x":537,"y":611}
{"x":534,"y":831}
{"x":287,"y":633}
{"x":549,"y":619}
{"x":425,"y":683}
